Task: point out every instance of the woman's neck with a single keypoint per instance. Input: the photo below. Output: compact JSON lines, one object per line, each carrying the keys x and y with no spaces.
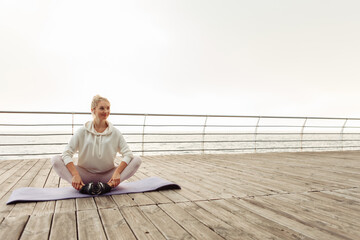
{"x":100,"y":125}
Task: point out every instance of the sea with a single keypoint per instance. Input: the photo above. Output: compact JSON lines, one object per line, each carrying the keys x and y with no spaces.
{"x":29,"y":147}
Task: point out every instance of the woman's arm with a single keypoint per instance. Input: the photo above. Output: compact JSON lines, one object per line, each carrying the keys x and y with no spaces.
{"x":77,"y":183}
{"x":115,"y":179}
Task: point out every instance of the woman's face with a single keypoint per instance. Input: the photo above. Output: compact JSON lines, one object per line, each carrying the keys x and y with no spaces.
{"x":102,"y":110}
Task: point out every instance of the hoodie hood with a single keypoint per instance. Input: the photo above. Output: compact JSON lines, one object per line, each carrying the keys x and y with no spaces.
{"x":97,"y":137}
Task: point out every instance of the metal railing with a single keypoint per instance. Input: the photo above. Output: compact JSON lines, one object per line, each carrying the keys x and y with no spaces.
{"x":46,"y":133}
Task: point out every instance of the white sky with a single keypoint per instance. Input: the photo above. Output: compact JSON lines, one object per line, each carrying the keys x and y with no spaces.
{"x":241,"y":57}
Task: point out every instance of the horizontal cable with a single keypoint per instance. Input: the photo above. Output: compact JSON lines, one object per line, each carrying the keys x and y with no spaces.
{"x":207,"y":141}
{"x":34,"y":134}
{"x":243,"y":133}
{"x":31,"y":144}
{"x":229,"y":149}
{"x":180,"y":115}
{"x":40,"y":125}
{"x":175,"y":125}
{"x":177,"y":134}
{"x":245,"y":141}
{"x":27,"y":154}
{"x":189,"y":150}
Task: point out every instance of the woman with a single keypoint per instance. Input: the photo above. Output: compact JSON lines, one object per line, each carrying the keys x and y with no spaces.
{"x":97,"y":142}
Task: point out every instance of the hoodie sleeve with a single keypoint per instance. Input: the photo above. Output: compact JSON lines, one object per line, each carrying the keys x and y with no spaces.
{"x":125,"y":150}
{"x":71,"y":148}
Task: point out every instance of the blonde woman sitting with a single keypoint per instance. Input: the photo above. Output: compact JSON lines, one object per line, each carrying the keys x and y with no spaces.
{"x":97,"y":143}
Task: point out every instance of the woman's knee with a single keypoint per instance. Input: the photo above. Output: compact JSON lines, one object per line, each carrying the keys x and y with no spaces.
{"x":57,"y":160}
{"x":136,"y":161}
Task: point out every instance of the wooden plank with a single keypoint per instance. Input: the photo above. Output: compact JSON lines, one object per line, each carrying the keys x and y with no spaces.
{"x":12,"y":183}
{"x":197,"y":229}
{"x":259,"y":222}
{"x":83,"y":204}
{"x":205,"y":186}
{"x":44,"y":208}
{"x":104,"y":202}
{"x":12,"y":227}
{"x":89,"y":225}
{"x":193,"y":191}
{"x":172,"y":173}
{"x":350,"y":193}
{"x":166,"y":225}
{"x":67,"y":205}
{"x":284,"y":172}
{"x":6,"y":166}
{"x":211,"y":220}
{"x":41,"y":176}
{"x":14,"y":175}
{"x":39,"y":180}
{"x":326,"y":206}
{"x":157,"y":197}
{"x":313,"y":219}
{"x":323,"y":208}
{"x":115,"y":225}
{"x":321,"y":214}
{"x":226,"y":185}
{"x":141,"y":226}
{"x":63,"y":226}
{"x":37,"y":228}
{"x":355,"y":191}
{"x":53,"y":180}
{"x":345,"y":194}
{"x":48,"y":206}
{"x":240,"y":222}
{"x":124,"y":200}
{"x":13,"y":169}
{"x":254,"y":177}
{"x":26,"y":208}
{"x":141,"y":199}
{"x":285,"y":219}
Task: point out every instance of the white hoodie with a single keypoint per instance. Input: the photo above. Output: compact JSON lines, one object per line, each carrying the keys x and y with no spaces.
{"x":97,"y":151}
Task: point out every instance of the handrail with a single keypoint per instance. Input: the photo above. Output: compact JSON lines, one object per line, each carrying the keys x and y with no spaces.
{"x":182,"y":115}
{"x":227,"y":133}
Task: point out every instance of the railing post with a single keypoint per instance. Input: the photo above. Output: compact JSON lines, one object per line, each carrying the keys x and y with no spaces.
{"x":143,"y":135}
{"x":256,"y":129}
{"x":342,"y":135}
{"x":302,"y":134}
{"x":72,"y":123}
{"x":203,"y":136}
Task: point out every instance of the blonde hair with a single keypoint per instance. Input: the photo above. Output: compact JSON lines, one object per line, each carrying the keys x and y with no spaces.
{"x":96,"y":99}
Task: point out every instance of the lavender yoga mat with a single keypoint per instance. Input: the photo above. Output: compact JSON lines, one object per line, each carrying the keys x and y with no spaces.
{"x":31,"y":194}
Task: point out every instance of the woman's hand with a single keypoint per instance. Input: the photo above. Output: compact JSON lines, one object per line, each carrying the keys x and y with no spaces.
{"x":77,"y":183}
{"x":115,"y":180}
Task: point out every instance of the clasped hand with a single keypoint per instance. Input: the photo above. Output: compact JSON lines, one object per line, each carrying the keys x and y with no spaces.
{"x":115,"y":180}
{"x":77,"y":183}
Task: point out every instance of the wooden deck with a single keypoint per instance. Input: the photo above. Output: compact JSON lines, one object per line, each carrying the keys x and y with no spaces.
{"x":242,"y":196}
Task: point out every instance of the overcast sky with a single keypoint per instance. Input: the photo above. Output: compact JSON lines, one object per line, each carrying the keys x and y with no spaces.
{"x":259,"y":57}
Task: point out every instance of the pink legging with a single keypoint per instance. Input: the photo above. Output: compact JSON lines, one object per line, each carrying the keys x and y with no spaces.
{"x":86,"y":176}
